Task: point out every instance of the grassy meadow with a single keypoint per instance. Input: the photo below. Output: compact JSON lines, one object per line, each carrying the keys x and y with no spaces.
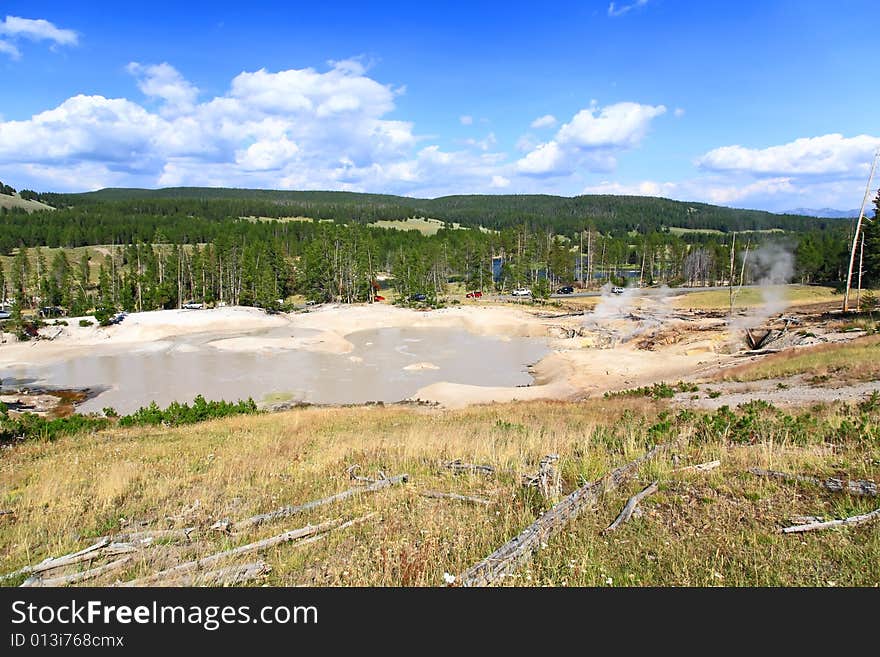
{"x":700,"y":529}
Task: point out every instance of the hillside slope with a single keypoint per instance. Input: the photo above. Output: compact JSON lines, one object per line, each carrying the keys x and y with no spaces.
{"x":7,"y":201}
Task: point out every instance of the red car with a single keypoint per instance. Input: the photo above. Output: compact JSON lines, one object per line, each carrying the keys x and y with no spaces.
{"x":378,"y":298}
{"x":476,"y":294}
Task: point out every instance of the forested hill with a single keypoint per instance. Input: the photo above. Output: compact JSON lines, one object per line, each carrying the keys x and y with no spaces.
{"x":562,"y":214}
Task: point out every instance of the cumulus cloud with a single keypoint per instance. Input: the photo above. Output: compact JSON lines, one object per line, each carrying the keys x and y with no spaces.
{"x":546,"y":121}
{"x":499,"y":182}
{"x":466,"y":119}
{"x":164,"y":82}
{"x":591,"y":139}
{"x":292,"y":129}
{"x":679,"y":112}
{"x":831,"y":154}
{"x":614,"y":10}
{"x":15,"y":28}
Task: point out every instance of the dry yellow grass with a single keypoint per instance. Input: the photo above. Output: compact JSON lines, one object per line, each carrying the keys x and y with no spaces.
{"x":751,"y":296}
{"x":701,"y":529}
{"x":858,"y":360}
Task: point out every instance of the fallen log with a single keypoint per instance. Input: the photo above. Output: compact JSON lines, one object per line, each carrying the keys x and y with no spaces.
{"x":852,"y":521}
{"x":518,"y":550}
{"x":453,"y":496}
{"x":287,"y":511}
{"x":458,"y":467}
{"x":308,"y":533}
{"x":64,"y":560}
{"x":630,"y":506}
{"x":699,"y":467}
{"x":76,"y":578}
{"x":229,"y":576}
{"x":861,"y":487}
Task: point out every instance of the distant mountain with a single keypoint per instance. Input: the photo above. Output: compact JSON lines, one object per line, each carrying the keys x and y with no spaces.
{"x":825,"y":213}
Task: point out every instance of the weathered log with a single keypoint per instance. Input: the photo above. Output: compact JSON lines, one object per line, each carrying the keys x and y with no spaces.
{"x":630,"y":506}
{"x":149,"y":536}
{"x":852,"y":521}
{"x":458,"y":467}
{"x":75,"y":578}
{"x":287,"y":511}
{"x":228,"y":576}
{"x":453,"y":496}
{"x":518,"y":550}
{"x":861,"y":487}
{"x":6,"y":512}
{"x":700,"y":467}
{"x":307,"y":533}
{"x":64,"y":560}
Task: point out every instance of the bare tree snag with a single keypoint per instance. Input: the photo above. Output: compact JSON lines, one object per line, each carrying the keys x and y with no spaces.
{"x":631,"y":505}
{"x":453,"y":496}
{"x":548,"y":479}
{"x":76,"y":578}
{"x":287,"y":511}
{"x":852,"y":521}
{"x":519,"y":550}
{"x":309,"y":533}
{"x":853,"y":486}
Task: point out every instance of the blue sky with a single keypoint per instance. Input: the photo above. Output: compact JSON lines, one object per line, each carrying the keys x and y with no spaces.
{"x":750,"y":104}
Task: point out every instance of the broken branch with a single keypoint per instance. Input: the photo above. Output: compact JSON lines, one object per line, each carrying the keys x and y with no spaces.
{"x":700,"y":467}
{"x":631,"y":505}
{"x":454,"y":496}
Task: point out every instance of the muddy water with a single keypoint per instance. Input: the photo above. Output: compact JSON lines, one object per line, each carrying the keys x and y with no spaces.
{"x":386,"y":365}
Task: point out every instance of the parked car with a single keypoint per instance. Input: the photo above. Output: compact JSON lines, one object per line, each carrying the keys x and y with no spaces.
{"x":565,"y":289}
{"x":378,"y":297}
{"x":51,"y":311}
{"x":5,"y":314}
{"x":418,"y":297}
{"x":194,"y":305}
{"x":522,"y":292}
{"x":617,"y":290}
{"x":476,"y":294}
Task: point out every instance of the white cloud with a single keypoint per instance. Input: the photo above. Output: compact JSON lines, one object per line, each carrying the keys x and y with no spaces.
{"x":484,"y":144}
{"x":591,"y":139}
{"x":298,"y":128}
{"x":831,"y":154}
{"x":546,"y":121}
{"x":37,"y":30}
{"x":679,"y":112}
{"x":14,"y":28}
{"x":614,"y":10}
{"x":499,"y":182}
{"x":163,"y":81}
{"x":466,"y":120}
{"x":9,"y":49}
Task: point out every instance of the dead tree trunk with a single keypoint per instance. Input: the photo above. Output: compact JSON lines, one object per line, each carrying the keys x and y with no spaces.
{"x":287,"y":511}
{"x":853,"y":487}
{"x":519,"y":550}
